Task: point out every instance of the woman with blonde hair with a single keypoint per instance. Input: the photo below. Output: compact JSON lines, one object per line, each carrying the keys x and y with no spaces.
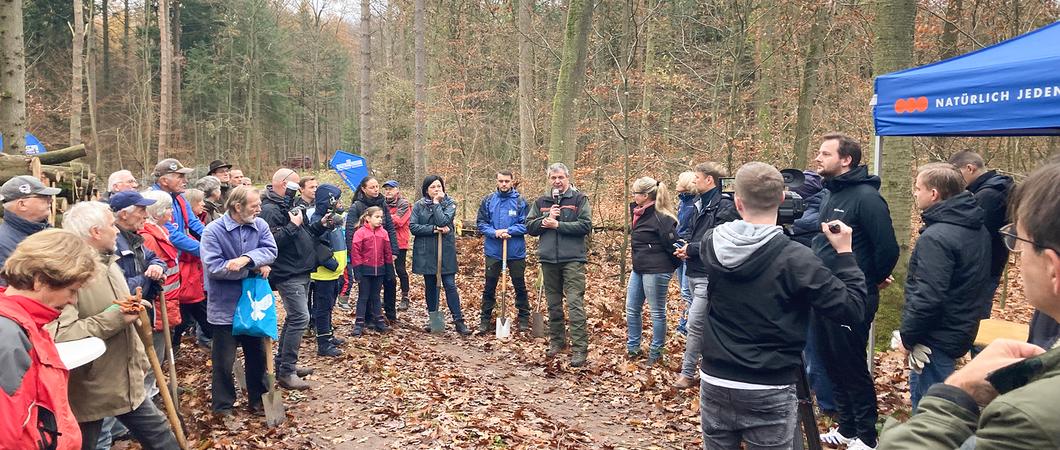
{"x":653,"y":235}
{"x":43,"y":275}
{"x":686,"y":212}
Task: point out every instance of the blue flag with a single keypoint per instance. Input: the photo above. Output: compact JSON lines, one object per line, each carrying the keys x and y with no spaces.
{"x":352,"y":168}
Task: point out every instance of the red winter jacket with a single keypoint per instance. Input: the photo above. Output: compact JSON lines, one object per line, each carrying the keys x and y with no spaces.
{"x":192,"y":286}
{"x":371,"y":254}
{"x":156,"y":239}
{"x":401,"y":215}
{"x":36,"y":413}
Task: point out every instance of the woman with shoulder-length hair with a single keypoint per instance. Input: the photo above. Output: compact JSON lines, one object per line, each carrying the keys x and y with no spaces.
{"x":43,"y":275}
{"x":686,"y":211}
{"x":653,"y":234}
{"x":367,"y":195}
{"x":432,"y":219}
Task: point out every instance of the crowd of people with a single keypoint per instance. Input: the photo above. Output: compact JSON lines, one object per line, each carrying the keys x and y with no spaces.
{"x":764,"y":301}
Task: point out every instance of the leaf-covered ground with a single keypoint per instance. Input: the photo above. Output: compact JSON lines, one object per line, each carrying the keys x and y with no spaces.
{"x":408,"y":389}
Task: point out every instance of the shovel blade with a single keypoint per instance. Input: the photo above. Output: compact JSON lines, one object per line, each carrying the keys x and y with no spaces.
{"x":537,"y":325}
{"x":273,"y":403}
{"x":504,"y":327}
{"x":436,"y":323}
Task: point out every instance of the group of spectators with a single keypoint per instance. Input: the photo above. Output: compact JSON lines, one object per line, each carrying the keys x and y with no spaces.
{"x":764,"y":300}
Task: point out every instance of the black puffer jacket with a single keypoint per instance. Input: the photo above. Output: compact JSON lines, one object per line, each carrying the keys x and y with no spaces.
{"x":652,"y":240}
{"x":361,"y":203}
{"x":715,"y":208}
{"x":295,"y":245}
{"x":854,"y":197}
{"x":947,"y":271}
{"x":991,"y":191}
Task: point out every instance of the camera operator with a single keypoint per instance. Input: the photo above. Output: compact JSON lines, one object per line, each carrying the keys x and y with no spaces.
{"x":853,"y":197}
{"x":762,"y":286}
{"x":296,"y":240}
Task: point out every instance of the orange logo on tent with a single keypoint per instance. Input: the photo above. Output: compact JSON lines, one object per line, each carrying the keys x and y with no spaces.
{"x":909,"y":105}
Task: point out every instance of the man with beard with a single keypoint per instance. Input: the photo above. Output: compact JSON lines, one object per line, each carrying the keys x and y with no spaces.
{"x":853,"y":197}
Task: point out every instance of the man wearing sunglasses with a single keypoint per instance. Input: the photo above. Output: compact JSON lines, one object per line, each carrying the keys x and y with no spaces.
{"x":944,"y":286}
{"x":1007,"y":396}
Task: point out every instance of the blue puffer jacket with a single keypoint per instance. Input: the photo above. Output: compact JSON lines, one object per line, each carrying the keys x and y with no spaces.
{"x":686,"y":213}
{"x":504,"y":210}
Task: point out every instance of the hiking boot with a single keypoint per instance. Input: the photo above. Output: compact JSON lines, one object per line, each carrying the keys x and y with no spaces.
{"x":337,"y":341}
{"x":684,"y":382}
{"x":554,"y":350}
{"x":326,"y":348}
{"x":303,"y":372}
{"x":358,"y":330}
{"x":577,"y":359}
{"x":292,"y":382}
{"x":404,"y":304}
{"x":634,"y":355}
{"x":654,"y":358}
{"x":523,"y":325}
{"x":343,"y":303}
{"x":483,"y":328}
{"x":462,"y":328}
{"x":381,"y":327}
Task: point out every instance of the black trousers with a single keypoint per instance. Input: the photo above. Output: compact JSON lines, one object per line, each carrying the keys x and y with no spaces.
{"x":188,"y":313}
{"x":517,"y":273}
{"x":402,"y":271}
{"x":223,"y":389}
{"x":842,"y":349}
{"x":146,"y":423}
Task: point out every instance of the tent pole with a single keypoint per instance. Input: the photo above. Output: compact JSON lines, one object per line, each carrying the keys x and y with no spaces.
{"x":877,"y":160}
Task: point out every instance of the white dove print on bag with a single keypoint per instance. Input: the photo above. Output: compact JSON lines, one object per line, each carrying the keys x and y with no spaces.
{"x":259,"y":306}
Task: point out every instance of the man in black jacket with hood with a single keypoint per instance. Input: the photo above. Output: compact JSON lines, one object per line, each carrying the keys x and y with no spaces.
{"x":762,"y":288}
{"x":944,"y":284}
{"x":853,"y":197}
{"x":991,"y":191}
{"x":296,"y":242}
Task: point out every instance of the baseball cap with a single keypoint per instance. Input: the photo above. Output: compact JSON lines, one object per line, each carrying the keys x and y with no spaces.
{"x":391,"y":183}
{"x":168,"y":166}
{"x":25,"y":186}
{"x":124,"y":199}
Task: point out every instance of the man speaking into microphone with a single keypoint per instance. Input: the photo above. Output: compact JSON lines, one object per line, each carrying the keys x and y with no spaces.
{"x":561,"y":221}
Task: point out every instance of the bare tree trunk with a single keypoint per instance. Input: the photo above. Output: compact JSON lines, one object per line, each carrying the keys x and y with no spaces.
{"x":366,"y":75}
{"x":563,"y":141}
{"x":808,"y":91}
{"x":166,"y":84}
{"x":105,"y":12}
{"x":649,"y":84}
{"x":78,"y":71}
{"x":125,"y":32}
{"x":948,"y":41}
{"x":90,"y":81}
{"x":419,"y":152}
{"x":526,"y":83}
{"x":177,"y":61}
{"x":13,"y":80}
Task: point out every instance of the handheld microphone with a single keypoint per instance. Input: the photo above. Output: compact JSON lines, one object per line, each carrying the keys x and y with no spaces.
{"x":555,"y":195}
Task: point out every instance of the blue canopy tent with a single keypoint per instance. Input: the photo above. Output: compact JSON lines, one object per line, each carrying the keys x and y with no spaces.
{"x":1008,"y":89}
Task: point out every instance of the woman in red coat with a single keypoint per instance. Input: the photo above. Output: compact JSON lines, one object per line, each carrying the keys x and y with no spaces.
{"x":156,"y":238}
{"x":43,"y":275}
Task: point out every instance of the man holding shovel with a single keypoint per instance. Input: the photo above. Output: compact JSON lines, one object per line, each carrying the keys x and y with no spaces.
{"x":502,"y":220}
{"x":113,"y":385}
{"x":233,"y":248}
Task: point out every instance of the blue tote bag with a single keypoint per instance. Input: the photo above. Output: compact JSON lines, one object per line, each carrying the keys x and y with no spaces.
{"x":256,"y":310}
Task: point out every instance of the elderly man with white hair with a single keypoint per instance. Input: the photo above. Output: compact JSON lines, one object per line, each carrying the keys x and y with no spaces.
{"x":113,"y":385}
{"x":120,"y":181}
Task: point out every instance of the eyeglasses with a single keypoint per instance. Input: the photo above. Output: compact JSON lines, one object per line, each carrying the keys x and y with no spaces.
{"x":1009,"y":237}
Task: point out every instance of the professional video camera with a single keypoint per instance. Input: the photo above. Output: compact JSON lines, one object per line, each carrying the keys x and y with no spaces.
{"x":793,"y":206}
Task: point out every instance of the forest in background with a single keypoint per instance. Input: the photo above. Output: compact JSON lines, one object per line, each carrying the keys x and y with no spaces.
{"x":616,"y":89}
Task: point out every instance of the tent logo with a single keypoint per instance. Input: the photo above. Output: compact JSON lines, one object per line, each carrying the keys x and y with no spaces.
{"x":911,"y":105}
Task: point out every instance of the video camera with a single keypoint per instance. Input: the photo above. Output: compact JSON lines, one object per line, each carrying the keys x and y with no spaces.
{"x":793,"y":206}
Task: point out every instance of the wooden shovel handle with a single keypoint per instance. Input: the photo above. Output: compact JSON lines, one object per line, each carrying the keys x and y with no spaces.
{"x":143,"y":329}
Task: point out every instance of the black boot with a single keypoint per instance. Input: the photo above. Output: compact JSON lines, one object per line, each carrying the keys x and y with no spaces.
{"x":404,"y":304}
{"x":462,"y":328}
{"x":326,"y":348}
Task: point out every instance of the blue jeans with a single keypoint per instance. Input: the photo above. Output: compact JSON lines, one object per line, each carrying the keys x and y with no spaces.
{"x":452,"y":297}
{"x":686,"y":295}
{"x":762,"y":419}
{"x":295,"y":295}
{"x":817,"y":377}
{"x":697,"y":319}
{"x":936,"y":371}
{"x":650,"y":287}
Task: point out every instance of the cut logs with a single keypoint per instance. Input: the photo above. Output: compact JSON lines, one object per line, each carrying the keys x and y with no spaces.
{"x":59,"y":167}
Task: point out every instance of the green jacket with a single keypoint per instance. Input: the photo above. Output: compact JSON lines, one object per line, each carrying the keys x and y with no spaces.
{"x":1024,"y":417}
{"x":566,"y":243}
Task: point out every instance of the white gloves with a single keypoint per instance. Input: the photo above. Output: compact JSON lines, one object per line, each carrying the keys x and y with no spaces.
{"x":919,"y":357}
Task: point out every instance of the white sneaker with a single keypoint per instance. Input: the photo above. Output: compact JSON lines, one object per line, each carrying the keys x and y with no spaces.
{"x":834,"y":438}
{"x":856,"y":444}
